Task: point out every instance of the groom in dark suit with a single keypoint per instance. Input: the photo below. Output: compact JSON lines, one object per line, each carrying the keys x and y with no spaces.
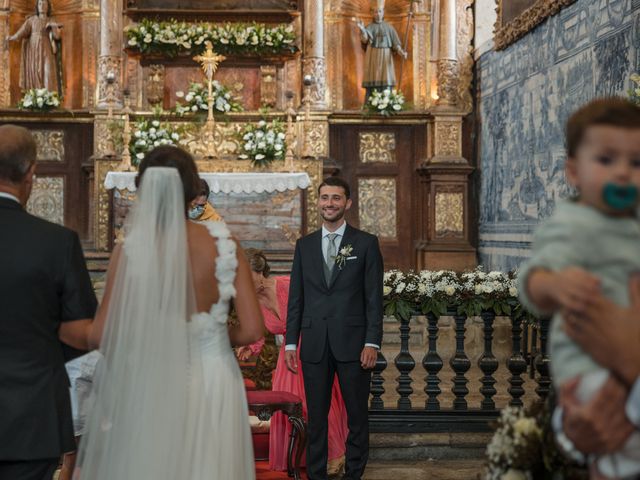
{"x":46,"y":298}
{"x":335,"y":309}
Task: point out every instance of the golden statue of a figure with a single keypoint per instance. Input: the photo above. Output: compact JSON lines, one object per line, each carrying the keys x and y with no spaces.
{"x":380,"y":40}
{"x":41,"y":65}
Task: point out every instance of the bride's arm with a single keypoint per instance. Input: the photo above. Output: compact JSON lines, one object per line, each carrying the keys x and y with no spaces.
{"x":250,"y":327}
{"x":97,"y":327}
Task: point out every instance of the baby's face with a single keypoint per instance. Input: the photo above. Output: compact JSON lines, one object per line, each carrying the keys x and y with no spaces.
{"x":607,"y":155}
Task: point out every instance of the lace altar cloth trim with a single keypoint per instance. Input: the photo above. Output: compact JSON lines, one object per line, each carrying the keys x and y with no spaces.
{"x":226,"y":182}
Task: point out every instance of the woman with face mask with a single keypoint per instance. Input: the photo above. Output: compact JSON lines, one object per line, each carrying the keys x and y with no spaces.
{"x":200,"y":209}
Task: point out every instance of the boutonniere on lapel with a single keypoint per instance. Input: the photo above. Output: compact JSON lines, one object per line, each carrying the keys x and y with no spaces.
{"x":343,"y":255}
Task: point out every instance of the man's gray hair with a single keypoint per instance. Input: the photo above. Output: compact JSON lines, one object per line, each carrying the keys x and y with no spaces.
{"x":17,"y":153}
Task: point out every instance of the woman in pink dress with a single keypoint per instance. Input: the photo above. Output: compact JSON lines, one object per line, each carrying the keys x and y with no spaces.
{"x":273,"y":295}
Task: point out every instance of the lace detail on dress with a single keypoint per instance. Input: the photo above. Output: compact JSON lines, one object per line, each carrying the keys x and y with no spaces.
{"x":226,"y":266}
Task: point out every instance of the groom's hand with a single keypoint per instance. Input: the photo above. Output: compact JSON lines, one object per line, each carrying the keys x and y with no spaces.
{"x":291,"y":360}
{"x":368,"y":357}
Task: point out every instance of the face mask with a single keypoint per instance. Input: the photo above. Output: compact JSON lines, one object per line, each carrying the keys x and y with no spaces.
{"x":196,"y":211}
{"x":620,"y":197}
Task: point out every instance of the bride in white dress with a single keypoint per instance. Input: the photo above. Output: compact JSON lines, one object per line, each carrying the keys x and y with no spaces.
{"x":169,"y":396}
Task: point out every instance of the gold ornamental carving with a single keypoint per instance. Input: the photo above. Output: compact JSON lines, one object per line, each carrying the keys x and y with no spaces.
{"x":109,"y":84}
{"x":268,"y":85}
{"x":377,"y":147}
{"x":5,"y":96}
{"x":317,"y":69}
{"x":47,"y":199}
{"x":316,"y":139}
{"x":465,"y":33}
{"x":90,"y":34}
{"x":154,"y":86}
{"x":448,"y":141}
{"x":421,"y":43}
{"x":448,"y":81}
{"x":107,"y":136}
{"x":449,"y":214}
{"x":102,"y":203}
{"x":506,"y":34}
{"x":377,"y":206}
{"x":50,"y":145}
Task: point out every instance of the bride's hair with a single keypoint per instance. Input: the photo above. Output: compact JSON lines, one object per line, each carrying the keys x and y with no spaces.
{"x":257,"y":261}
{"x":168,"y":156}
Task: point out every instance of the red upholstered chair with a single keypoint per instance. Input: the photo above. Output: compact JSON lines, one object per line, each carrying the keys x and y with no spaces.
{"x":263,"y":403}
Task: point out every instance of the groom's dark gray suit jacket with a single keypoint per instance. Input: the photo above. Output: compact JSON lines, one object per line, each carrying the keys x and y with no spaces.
{"x":347,"y":312}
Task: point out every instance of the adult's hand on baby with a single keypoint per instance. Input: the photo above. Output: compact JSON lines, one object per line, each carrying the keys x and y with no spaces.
{"x":609,"y":333}
{"x":573,"y":289}
{"x":600,"y":425}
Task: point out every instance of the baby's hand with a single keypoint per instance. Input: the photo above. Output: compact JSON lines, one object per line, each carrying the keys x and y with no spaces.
{"x":573,"y":288}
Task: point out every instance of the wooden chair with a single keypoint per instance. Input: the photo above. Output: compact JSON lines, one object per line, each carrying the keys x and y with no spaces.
{"x":263,"y":404}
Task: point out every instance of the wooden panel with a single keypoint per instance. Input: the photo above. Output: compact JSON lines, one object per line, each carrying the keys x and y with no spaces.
{"x":397,"y":176}
{"x":63,"y":171}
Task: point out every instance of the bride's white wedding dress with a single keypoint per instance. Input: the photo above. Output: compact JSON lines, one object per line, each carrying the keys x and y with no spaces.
{"x":168,"y":399}
{"x":219,"y":416}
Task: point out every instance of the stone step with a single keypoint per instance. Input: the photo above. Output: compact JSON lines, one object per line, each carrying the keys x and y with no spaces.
{"x":467,"y":469}
{"x":428,"y":446}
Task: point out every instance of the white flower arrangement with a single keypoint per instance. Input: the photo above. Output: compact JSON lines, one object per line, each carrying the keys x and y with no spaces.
{"x":523,"y":447}
{"x":39,"y":99}
{"x":148,"y":134}
{"x":172,"y":38}
{"x":437,"y":291}
{"x":386,"y":102}
{"x":634,"y":91}
{"x":263,"y":142}
{"x":196,"y":99}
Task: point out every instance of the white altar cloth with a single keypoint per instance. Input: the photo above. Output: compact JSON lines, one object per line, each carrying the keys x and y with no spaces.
{"x":226,"y":182}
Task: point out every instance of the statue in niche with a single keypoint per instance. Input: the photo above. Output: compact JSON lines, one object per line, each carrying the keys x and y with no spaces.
{"x":41,"y":62}
{"x":380,"y":40}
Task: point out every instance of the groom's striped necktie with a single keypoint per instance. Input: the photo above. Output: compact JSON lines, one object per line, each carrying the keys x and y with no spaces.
{"x":332,"y":251}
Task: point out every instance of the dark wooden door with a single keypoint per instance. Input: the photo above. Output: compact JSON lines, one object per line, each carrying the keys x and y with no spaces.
{"x":62,"y":188}
{"x":379,"y":161}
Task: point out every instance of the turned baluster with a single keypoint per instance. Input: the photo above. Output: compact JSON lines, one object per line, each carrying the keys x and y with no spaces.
{"x":487,"y":362}
{"x":432,"y":363}
{"x":405,"y":364}
{"x":460,"y":364}
{"x":542,"y":360}
{"x":516,"y":364}
{"x":377,"y":382}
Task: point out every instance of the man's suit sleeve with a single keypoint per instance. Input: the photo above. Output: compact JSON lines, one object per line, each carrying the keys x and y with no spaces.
{"x":373,"y":277}
{"x":296,"y":299}
{"x":78,"y":300}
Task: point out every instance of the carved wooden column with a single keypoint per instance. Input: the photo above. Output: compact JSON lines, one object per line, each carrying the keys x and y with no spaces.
{"x":448,"y":60}
{"x":314,"y":64}
{"x":90,"y":50}
{"x":445,"y":173}
{"x":110,"y":58}
{"x":5,"y":71}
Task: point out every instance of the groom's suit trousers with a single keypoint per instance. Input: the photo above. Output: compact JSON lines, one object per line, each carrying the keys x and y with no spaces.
{"x":354,"y":385}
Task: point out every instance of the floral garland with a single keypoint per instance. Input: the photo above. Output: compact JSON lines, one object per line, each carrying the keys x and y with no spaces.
{"x":39,"y":99}
{"x":172,"y":38}
{"x":263,"y":142}
{"x":634,"y":91}
{"x":436,"y":292}
{"x":523,"y":447}
{"x":196,"y":99}
{"x":386,"y":102}
{"x":149,"y":134}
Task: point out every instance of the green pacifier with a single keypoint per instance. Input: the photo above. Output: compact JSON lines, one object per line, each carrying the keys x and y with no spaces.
{"x":620,"y":197}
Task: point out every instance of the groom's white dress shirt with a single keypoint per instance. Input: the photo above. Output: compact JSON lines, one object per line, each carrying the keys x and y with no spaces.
{"x":9,"y":196}
{"x":339,"y":233}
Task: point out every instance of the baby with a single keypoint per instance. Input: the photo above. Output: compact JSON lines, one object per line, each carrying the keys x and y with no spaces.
{"x":596,"y":235}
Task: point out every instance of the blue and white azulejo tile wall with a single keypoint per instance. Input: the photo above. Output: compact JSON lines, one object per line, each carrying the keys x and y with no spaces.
{"x":525,"y":95}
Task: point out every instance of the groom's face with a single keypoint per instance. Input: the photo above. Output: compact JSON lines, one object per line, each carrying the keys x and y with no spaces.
{"x":332,"y":203}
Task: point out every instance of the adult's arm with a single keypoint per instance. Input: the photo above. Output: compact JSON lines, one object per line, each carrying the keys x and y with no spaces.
{"x":295,"y":306}
{"x":373,"y":280}
{"x":611,"y":335}
{"x":250,"y":326}
{"x":78,"y":300}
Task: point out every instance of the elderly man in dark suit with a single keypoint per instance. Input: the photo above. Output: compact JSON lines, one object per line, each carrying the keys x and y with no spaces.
{"x":46,"y":299}
{"x":335,"y":309}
